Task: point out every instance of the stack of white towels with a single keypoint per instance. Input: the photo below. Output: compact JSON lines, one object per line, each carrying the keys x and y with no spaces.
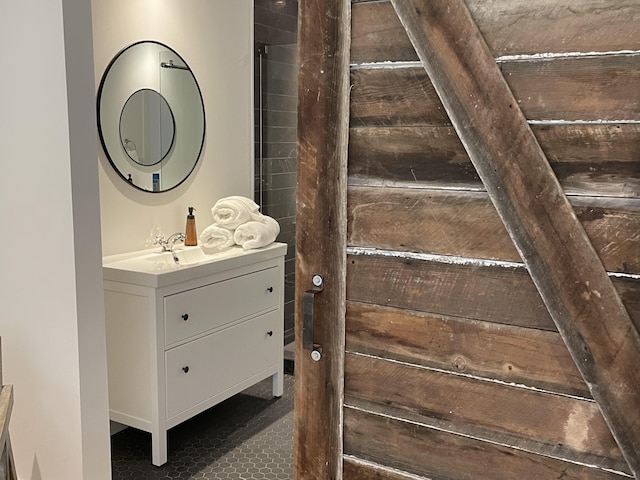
{"x":237,"y":221}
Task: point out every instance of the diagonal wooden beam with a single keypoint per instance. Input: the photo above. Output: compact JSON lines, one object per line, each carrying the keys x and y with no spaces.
{"x":574,"y":285}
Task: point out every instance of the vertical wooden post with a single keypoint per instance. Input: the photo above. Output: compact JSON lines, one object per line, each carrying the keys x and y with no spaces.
{"x":323,"y":117}
{"x":574,"y":285}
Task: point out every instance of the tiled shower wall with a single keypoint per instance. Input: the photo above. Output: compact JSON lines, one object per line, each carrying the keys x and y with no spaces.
{"x":276,"y":132}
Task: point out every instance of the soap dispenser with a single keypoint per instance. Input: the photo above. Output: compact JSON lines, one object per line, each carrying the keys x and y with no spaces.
{"x":191,"y":239}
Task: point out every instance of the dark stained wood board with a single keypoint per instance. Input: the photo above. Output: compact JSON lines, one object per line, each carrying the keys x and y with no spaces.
{"x":391,"y":96}
{"x":359,"y":470}
{"x":585,"y":88}
{"x":588,"y":159}
{"x":525,"y":356}
{"x":421,"y":450}
{"x":466,"y":224}
{"x":464,"y":288}
{"x":510,"y":28}
{"x":568,"y":89}
{"x":548,"y":424}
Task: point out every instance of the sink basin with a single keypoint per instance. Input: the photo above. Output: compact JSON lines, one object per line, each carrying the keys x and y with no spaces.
{"x":153,"y":268}
{"x":178,"y":258}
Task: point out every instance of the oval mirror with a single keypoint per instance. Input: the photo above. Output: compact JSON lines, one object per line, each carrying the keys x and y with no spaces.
{"x":151,"y":119}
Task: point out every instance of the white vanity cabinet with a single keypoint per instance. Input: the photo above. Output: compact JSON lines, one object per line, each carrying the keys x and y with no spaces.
{"x":181,"y":339}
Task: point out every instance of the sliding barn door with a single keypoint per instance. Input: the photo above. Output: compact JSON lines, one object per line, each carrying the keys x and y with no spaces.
{"x":468,"y":241}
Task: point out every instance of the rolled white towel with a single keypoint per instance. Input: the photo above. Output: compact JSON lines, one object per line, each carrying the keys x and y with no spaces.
{"x":231,"y":212}
{"x":216,"y":237}
{"x":256,"y":234}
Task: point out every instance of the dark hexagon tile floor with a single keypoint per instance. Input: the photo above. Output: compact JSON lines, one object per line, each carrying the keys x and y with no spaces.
{"x":247,"y":437}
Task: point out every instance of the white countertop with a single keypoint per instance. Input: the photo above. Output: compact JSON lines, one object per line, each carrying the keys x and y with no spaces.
{"x":152,"y":268}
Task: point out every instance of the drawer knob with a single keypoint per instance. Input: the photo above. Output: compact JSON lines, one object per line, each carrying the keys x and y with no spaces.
{"x":185,"y":369}
{"x":270,"y":289}
{"x":270,"y":333}
{"x":185,"y":317}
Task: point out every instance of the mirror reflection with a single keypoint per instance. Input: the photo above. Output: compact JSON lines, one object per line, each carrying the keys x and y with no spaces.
{"x":151,"y":116}
{"x":147,"y":127}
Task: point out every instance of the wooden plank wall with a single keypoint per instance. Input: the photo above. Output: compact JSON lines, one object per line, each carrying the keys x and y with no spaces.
{"x":454,"y":368}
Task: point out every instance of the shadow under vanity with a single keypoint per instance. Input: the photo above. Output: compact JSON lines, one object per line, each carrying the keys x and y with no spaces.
{"x":183,"y":338}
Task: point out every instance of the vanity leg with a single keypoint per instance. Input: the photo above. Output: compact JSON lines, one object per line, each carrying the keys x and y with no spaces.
{"x":159,"y":448}
{"x":278,"y":383}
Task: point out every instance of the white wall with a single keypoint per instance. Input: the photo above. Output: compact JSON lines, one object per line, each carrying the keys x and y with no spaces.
{"x":52,"y":322}
{"x":215,"y":37}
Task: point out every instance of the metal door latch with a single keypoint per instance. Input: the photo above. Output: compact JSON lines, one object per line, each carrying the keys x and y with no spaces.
{"x":317,"y":285}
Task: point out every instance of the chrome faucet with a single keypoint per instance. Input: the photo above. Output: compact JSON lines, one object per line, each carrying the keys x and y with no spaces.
{"x":167,"y":245}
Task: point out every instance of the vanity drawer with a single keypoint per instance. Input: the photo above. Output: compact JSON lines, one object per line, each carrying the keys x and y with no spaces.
{"x":206,"y":367}
{"x":196,"y":311}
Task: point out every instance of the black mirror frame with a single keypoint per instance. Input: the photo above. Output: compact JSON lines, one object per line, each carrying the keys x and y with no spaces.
{"x":100,"y":127}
